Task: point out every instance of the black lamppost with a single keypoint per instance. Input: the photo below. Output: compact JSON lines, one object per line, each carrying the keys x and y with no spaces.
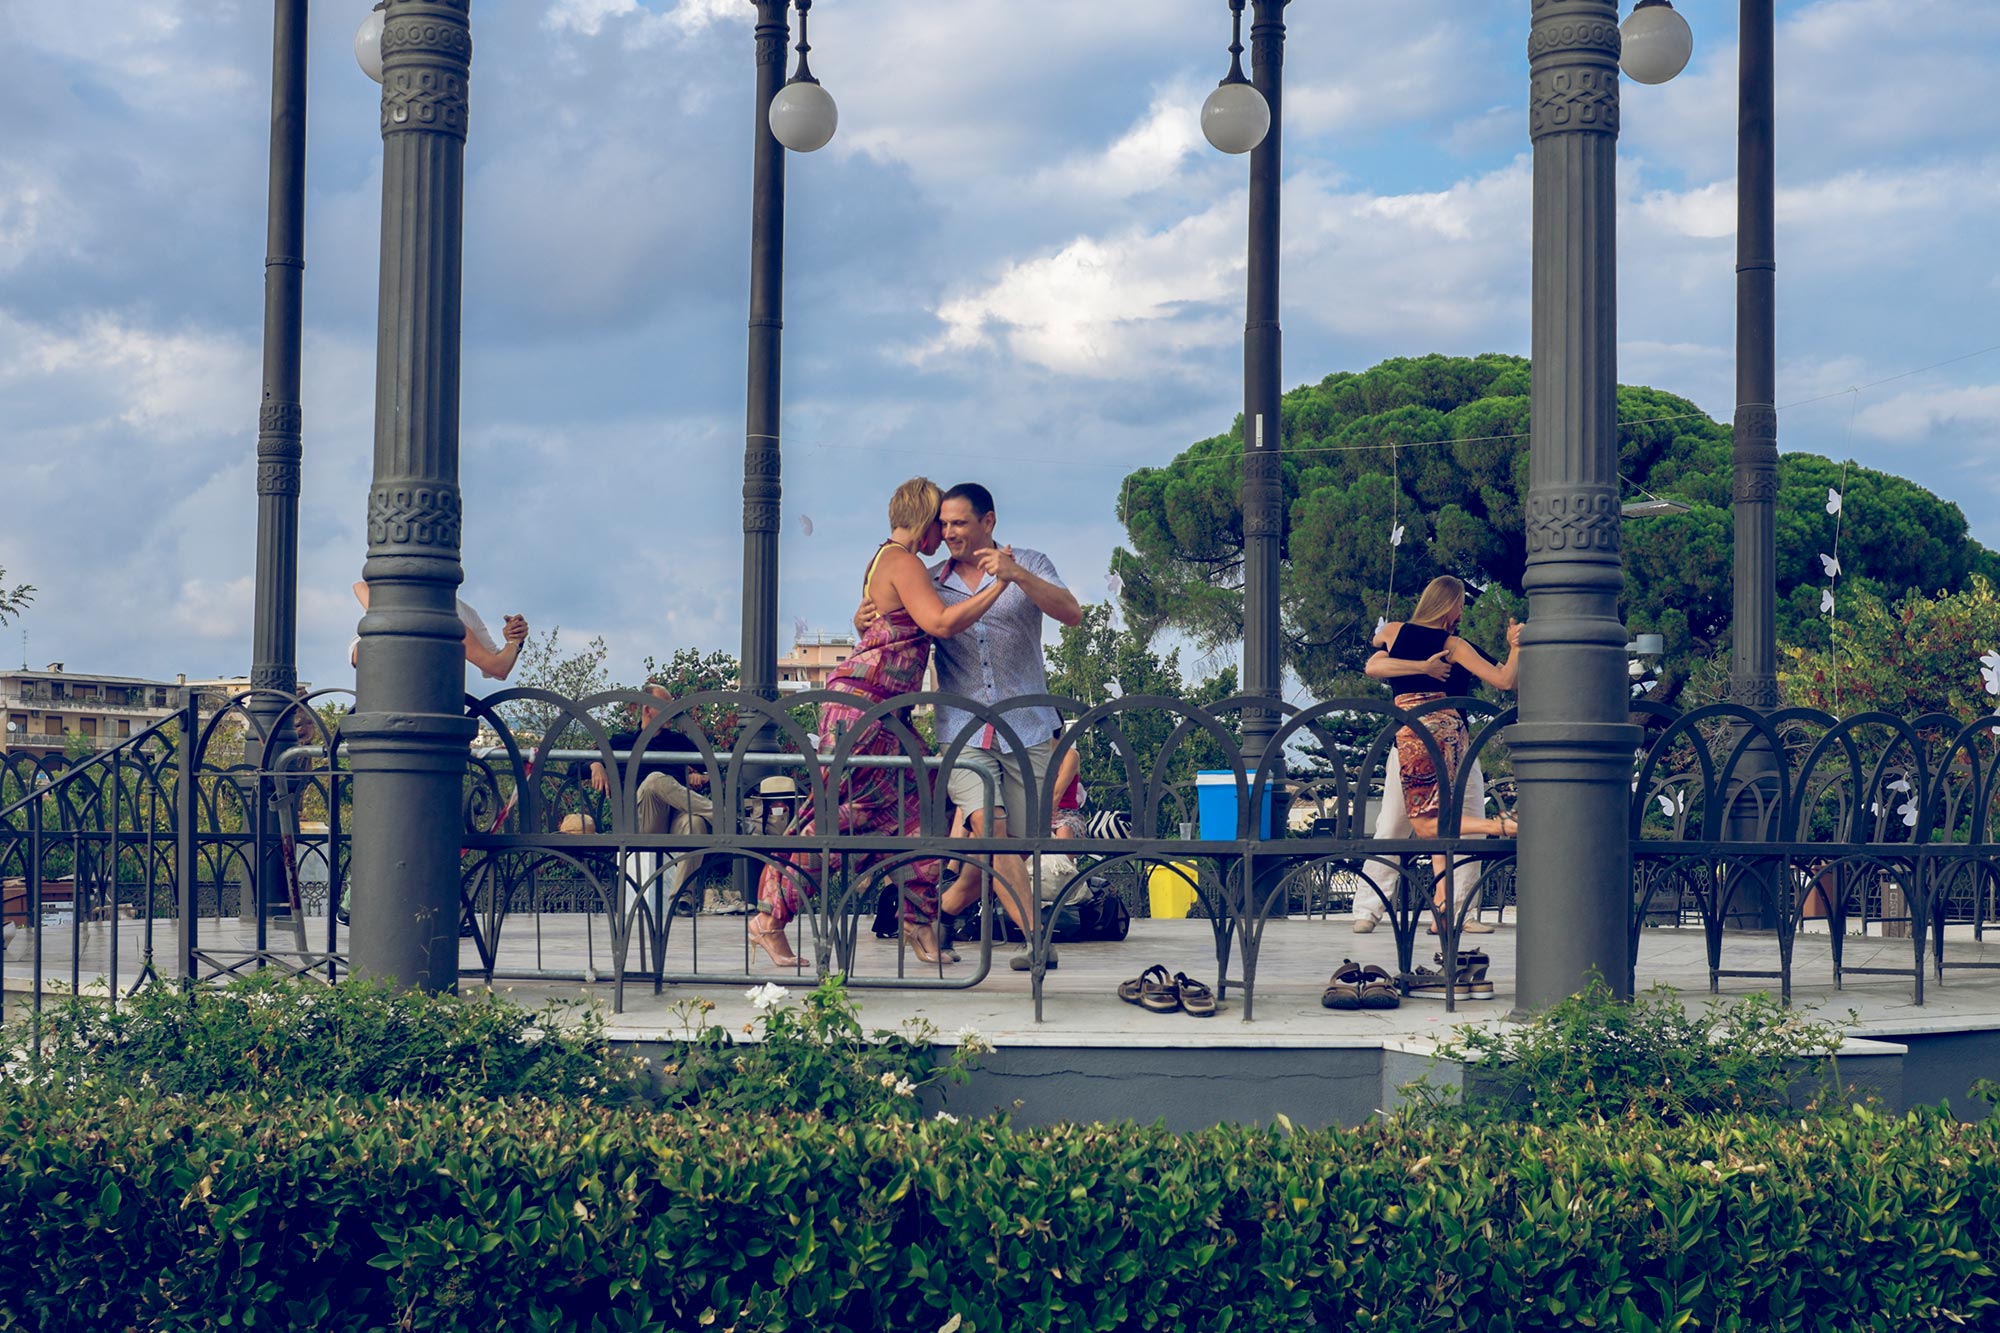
{"x":800,"y":115}
{"x":1753,"y":623}
{"x":409,"y":737}
{"x":1247,"y":116}
{"x":274,"y":626}
{"x":1573,"y":746}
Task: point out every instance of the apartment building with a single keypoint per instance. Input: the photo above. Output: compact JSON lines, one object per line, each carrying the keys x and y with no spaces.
{"x":812,"y":661}
{"x":814,"y":657}
{"x":40,"y":711}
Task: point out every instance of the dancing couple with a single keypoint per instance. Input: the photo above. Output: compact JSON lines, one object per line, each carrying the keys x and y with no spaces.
{"x":1422,"y":660}
{"x":889,"y":660}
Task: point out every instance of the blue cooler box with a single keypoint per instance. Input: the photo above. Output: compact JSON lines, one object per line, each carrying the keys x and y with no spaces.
{"x":1215,"y":802}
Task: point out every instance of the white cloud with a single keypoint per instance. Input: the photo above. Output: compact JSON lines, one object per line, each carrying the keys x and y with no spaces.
{"x":173,"y":385}
{"x":1145,"y":157}
{"x":1917,"y":413}
{"x":1110,"y":306}
{"x":586,"y":17}
{"x":216,"y":608}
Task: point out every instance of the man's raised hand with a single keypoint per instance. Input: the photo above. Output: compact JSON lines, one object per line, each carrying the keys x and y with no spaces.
{"x":1000,"y":563}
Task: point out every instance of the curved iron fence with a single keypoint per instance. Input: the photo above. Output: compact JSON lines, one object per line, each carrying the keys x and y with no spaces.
{"x":187,"y":852}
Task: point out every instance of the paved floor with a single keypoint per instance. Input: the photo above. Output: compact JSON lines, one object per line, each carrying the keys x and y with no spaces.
{"x":1080,"y":1007}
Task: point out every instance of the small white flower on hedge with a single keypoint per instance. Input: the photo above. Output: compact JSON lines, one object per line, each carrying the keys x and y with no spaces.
{"x":905,"y":1088}
{"x":765,"y":997}
{"x":946,"y":1116}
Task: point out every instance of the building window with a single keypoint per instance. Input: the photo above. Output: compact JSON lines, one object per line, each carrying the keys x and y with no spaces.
{"x":124,"y":726}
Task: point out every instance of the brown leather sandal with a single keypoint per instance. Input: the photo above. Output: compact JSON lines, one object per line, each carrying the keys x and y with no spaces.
{"x":1197,"y":1000}
{"x":1129,"y":991}
{"x":1378,"y":989}
{"x":1159,"y":995}
{"x":1343,"y":989}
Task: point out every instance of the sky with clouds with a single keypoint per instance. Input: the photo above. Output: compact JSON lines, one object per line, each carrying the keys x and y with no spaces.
{"x":1017,"y":262}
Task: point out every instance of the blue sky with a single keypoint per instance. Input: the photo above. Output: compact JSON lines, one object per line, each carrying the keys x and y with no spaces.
{"x":1017,"y":262}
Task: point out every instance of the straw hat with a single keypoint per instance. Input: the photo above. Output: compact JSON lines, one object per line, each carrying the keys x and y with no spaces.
{"x":578,"y":822}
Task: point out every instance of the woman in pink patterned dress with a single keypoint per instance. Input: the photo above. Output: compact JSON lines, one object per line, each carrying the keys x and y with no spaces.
{"x":890,"y":660}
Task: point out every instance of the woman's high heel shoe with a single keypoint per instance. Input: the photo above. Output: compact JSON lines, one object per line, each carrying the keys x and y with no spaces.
{"x":771,"y":939}
{"x":923,"y":943}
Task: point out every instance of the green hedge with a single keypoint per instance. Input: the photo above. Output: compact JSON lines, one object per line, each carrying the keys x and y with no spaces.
{"x":161,"y":1213}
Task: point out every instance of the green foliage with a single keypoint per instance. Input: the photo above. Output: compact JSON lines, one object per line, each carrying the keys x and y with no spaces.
{"x":689,"y":672}
{"x":335,"y":1214}
{"x":14,"y":600}
{"x":1440,"y":445}
{"x":77,"y":746}
{"x":1593,"y":1059}
{"x":811,"y":1058}
{"x":1094,"y":662}
{"x":267,"y":1037}
{"x":544,"y":665}
{"x":1918,"y":655}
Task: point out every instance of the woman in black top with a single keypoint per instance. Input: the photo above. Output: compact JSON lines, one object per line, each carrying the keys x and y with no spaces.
{"x":1419,"y":658}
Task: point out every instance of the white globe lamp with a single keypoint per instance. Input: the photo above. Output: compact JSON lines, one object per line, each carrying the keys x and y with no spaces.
{"x":803,"y":116}
{"x":1235,"y":118}
{"x":368,"y":44}
{"x":1655,"y":42}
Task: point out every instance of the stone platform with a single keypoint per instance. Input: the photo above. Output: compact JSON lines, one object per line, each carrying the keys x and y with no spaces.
{"x":1092,"y":1056}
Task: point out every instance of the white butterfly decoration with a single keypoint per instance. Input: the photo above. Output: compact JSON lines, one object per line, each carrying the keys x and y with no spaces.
{"x":1989,"y":672}
{"x":1672,"y":806}
{"x":1396,"y":537}
{"x":812,"y":739}
{"x":1831,"y":564}
{"x":1900,"y":784}
{"x":1832,"y":501}
{"x":1380,"y":623}
{"x":1826,"y":601}
{"x":805,"y":525}
{"x":1114,"y":584}
{"x":1909,"y":812}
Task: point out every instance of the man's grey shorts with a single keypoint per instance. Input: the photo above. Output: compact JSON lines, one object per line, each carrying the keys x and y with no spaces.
{"x":969,"y":791}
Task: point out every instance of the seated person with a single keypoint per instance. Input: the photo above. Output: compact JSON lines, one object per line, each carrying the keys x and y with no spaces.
{"x":666,"y":801}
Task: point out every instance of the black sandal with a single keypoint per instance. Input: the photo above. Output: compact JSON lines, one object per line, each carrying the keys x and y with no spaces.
{"x":1423,"y":983}
{"x":1130,"y":991}
{"x":1472,"y":965}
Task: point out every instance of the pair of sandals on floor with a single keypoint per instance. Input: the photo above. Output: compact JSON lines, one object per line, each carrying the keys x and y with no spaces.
{"x":1157,"y":992}
{"x":1359,"y":986}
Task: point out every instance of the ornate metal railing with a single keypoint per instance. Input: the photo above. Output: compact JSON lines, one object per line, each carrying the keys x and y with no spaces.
{"x":129,"y":865}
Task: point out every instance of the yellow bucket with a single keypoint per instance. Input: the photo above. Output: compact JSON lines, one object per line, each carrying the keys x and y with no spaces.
{"x":1170,"y":889}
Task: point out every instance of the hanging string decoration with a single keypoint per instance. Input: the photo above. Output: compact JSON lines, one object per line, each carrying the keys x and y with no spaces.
{"x":1395,"y":536}
{"x":1830,"y":562}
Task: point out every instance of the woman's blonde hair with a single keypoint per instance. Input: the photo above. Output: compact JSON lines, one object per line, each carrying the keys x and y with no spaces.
{"x":1442,"y":596}
{"x":914,"y":504}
